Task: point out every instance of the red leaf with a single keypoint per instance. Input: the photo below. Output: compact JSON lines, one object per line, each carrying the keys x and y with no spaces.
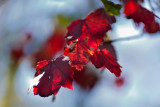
{"x":40,"y":65}
{"x":94,"y":26}
{"x":110,"y":48}
{"x":86,"y":78}
{"x":139,"y":14}
{"x":53,"y":75}
{"x":102,"y":58}
{"x":79,"y":55}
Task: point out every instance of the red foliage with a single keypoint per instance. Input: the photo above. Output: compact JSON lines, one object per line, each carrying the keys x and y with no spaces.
{"x":139,"y":14}
{"x":57,"y":73}
{"x":82,"y":37}
{"x":86,"y":78}
{"x":108,"y":46}
{"x":86,"y":34}
{"x":17,"y":50}
{"x":119,"y":81}
{"x":104,"y":59}
{"x":54,"y":44}
{"x":93,"y":27}
{"x":79,"y":54}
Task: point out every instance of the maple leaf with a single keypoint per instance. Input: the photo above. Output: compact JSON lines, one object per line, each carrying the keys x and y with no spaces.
{"x":79,"y":54}
{"x":111,"y":8}
{"x":102,"y":58}
{"x":139,"y":14}
{"x":51,"y":76}
{"x":94,"y":27}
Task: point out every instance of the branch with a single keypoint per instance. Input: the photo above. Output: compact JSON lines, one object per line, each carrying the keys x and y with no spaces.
{"x":157,"y":16}
{"x":153,"y":10}
{"x":124,"y":39}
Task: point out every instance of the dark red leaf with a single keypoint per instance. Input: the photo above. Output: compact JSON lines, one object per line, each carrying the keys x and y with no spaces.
{"x":102,"y":58}
{"x":94,"y":27}
{"x":54,"y":74}
{"x":139,"y":14}
{"x":86,"y":78}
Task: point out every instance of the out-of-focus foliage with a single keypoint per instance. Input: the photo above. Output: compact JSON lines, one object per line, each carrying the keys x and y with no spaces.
{"x":54,"y":44}
{"x":139,"y":14}
{"x":46,"y":21}
{"x":87,"y":78}
{"x":111,"y":8}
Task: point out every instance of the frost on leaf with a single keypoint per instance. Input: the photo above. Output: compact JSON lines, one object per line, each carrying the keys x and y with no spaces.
{"x":139,"y":14}
{"x":57,"y":73}
{"x":102,"y":58}
{"x":93,"y":27}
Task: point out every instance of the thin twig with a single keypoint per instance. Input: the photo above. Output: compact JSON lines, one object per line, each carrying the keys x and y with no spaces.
{"x":157,"y":16}
{"x":126,"y":38}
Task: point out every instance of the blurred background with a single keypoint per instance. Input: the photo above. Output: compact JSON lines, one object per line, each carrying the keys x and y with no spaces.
{"x":34,"y":30}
